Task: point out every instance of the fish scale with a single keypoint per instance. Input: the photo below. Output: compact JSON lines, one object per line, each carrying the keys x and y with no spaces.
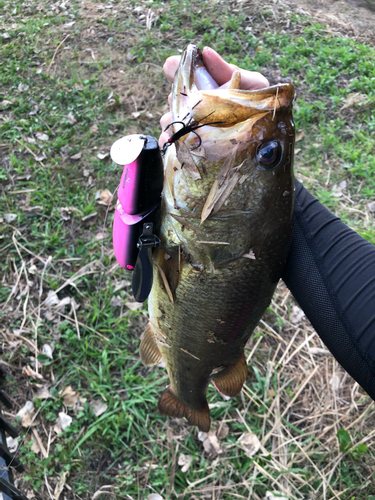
{"x":226,"y":222}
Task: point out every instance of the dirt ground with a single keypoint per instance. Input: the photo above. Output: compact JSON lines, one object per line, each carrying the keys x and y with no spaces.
{"x":357,"y":16}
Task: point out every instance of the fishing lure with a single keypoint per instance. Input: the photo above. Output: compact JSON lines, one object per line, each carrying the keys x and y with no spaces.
{"x":137,"y":214}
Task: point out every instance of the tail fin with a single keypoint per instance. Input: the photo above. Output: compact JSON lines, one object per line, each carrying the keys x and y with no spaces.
{"x":169,"y":405}
{"x":149,"y":351}
{"x":230,"y":381}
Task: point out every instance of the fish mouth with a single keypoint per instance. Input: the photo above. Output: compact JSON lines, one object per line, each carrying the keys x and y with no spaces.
{"x":191,"y":76}
{"x":197,"y":98}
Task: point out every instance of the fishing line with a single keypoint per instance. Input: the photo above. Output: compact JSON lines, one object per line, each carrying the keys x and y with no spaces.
{"x":16,"y":453}
{"x":102,"y":252}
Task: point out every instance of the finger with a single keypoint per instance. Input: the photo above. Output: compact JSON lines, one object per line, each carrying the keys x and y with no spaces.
{"x":165,"y":120}
{"x":221,"y":71}
{"x":170,"y":67}
{"x":163,"y":139}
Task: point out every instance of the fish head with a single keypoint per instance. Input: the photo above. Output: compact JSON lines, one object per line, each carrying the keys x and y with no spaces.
{"x":242,"y":172}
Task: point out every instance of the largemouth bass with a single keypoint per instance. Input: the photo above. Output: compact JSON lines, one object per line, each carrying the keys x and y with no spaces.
{"x":227,"y":209}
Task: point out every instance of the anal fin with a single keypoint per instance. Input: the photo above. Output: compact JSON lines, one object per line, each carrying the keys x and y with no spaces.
{"x":230,"y":381}
{"x":169,"y":405}
{"x":148,"y":350}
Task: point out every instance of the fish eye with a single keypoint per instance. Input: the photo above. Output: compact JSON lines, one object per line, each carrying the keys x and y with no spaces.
{"x":268,"y":154}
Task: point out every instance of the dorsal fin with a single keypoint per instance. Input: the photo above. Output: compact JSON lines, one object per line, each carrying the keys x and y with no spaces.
{"x":230,"y":381}
{"x":148,"y":350}
{"x":169,"y":405}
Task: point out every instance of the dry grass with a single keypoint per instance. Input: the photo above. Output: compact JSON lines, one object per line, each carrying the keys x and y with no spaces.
{"x":297,"y":397}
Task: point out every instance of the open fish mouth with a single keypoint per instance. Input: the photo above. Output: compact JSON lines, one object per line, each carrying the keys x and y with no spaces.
{"x":227,"y":210}
{"x":196,"y":97}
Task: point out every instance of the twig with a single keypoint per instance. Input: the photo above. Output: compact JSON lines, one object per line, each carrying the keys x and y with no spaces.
{"x":54,"y":55}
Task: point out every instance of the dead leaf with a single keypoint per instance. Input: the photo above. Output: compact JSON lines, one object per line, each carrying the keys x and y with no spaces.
{"x":69,"y":396}
{"x":62,"y":422}
{"x":104,"y":197}
{"x":33,"y":269}
{"x":116,"y":301}
{"x":100,"y":236}
{"x":71,"y":119}
{"x":35,"y":447}
{"x":94,"y":129}
{"x":154,"y":496}
{"x":101,"y":156}
{"x":42,"y":393}
{"x":339,"y":189}
{"x":121,"y":285}
{"x":300,"y":135}
{"x":34,"y":111}
{"x":47,"y":350}
{"x":98,"y":407}
{"x":371,"y":206}
{"x":249,"y":442}
{"x":60,"y":485}
{"x":22,"y":87}
{"x":51,"y":299}
{"x":12,"y":444}
{"x":133,"y":306}
{"x":184,"y":461}
{"x":335,"y":383}
{"x":65,"y":150}
{"x":297,"y":315}
{"x":222,"y":431}
{"x":41,"y":156}
{"x":66,"y":212}
{"x":79,"y":406}
{"x":31,"y":373}
{"x":26,"y":413}
{"x":271,"y":393}
{"x":41,"y":136}
{"x":10,"y":218}
{"x":77,"y":156}
{"x":210,"y":442}
{"x":354,"y":99}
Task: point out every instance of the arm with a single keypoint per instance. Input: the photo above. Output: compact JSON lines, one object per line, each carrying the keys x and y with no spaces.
{"x":331,"y":273}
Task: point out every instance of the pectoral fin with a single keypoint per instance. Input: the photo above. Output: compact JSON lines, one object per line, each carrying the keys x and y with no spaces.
{"x":169,"y":405}
{"x":230,"y":381}
{"x":148,"y":350}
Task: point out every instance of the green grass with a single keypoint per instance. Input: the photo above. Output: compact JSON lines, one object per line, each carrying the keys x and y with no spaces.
{"x":131,"y":447}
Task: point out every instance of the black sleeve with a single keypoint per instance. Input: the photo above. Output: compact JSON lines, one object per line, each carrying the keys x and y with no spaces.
{"x":331,"y":273}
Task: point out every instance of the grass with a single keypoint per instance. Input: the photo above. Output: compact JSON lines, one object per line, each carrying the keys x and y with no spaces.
{"x":80,"y":92}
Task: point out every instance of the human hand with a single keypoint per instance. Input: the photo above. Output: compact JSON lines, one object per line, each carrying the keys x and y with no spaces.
{"x":221,"y":72}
